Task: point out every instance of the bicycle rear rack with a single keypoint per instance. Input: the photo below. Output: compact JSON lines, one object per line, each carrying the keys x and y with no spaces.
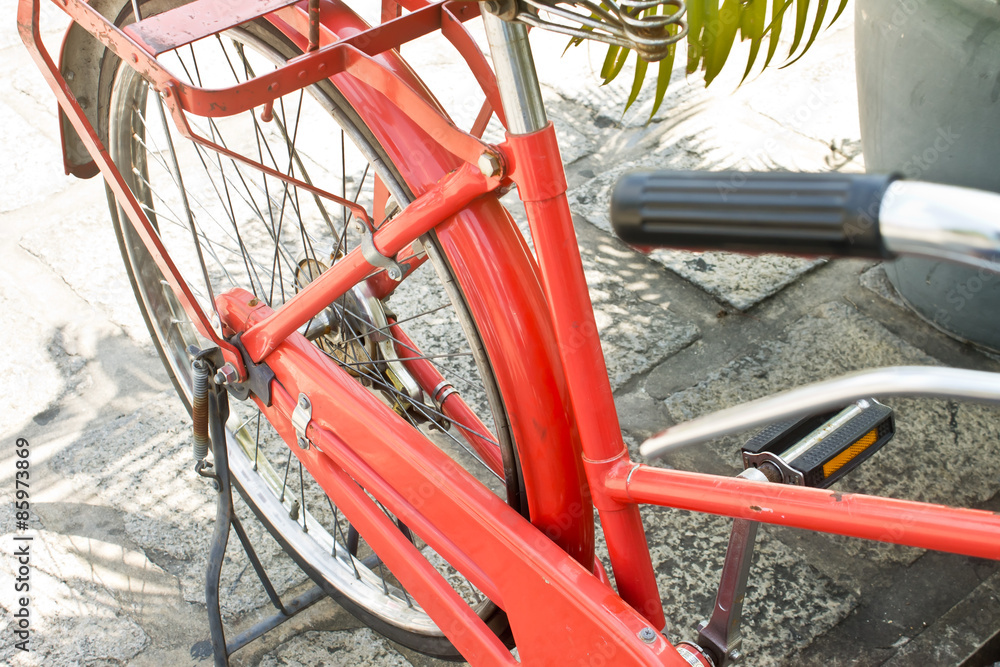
{"x":324,"y":57}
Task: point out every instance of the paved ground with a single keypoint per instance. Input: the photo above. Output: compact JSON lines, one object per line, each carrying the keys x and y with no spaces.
{"x":122,"y":523}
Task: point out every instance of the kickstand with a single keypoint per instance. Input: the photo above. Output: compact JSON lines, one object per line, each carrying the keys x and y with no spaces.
{"x":225,"y":518}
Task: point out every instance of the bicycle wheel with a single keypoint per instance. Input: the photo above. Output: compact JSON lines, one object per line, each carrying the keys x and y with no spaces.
{"x":227,"y":225}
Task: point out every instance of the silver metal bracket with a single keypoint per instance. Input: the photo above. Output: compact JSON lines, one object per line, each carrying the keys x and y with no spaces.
{"x":301,"y":416}
{"x":393,"y":269}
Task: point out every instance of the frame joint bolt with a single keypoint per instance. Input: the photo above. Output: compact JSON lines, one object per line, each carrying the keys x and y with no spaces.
{"x":227,"y":375}
{"x":490,"y":165}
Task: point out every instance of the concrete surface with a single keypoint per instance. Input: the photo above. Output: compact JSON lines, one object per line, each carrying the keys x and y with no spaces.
{"x":121,"y":523}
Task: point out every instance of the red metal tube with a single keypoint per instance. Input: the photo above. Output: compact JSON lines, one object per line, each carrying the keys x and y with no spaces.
{"x":468,"y":632}
{"x":542,"y":185}
{"x":560,"y":612}
{"x":28,"y":27}
{"x":504,"y":297}
{"x":956,"y":530}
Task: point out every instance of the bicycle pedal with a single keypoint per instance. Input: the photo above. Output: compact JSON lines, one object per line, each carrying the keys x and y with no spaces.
{"x":818,"y":450}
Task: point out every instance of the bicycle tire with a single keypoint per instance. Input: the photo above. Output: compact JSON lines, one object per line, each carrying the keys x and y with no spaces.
{"x":120,"y":119}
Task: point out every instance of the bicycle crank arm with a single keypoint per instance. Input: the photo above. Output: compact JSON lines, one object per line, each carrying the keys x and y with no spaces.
{"x":720,"y":635}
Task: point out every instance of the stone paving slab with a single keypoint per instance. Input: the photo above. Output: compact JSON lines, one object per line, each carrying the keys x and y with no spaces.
{"x":737,"y":280}
{"x":97,"y":276}
{"x":830,"y":342}
{"x":340,"y":649}
{"x":959,"y":632}
{"x":635,"y":335}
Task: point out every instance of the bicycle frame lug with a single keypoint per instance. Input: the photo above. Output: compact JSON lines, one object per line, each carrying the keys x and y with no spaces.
{"x":301,"y":416}
{"x":257,"y":381}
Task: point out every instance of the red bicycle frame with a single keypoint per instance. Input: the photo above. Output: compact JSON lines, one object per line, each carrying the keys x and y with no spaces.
{"x":541,"y":573}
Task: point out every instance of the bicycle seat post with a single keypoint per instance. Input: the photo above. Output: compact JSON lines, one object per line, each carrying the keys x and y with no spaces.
{"x":516,"y":77}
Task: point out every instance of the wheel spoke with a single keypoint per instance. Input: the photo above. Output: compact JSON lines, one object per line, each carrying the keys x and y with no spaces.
{"x":256,"y":230}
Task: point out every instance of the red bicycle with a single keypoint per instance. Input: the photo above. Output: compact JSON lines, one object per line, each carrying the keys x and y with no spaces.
{"x":421,"y":412}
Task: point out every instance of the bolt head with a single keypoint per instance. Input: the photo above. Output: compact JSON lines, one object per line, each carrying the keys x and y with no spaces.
{"x":303,"y":443}
{"x":358,"y":224}
{"x":647,"y":635}
{"x":489,"y":164}
{"x":304,"y":402}
{"x":227,"y":375}
{"x":735,"y":655}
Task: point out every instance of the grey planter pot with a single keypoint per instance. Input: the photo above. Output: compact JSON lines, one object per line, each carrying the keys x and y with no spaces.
{"x":929,"y":102}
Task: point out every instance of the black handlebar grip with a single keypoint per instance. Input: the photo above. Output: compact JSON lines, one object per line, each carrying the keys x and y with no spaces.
{"x":792,"y":213}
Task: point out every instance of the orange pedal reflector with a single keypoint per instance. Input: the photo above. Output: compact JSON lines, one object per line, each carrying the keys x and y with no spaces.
{"x":818,"y":450}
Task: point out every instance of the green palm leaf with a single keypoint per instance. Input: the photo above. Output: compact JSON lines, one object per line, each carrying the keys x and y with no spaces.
{"x":640,"y":76}
{"x":712,"y":29}
{"x":752,"y":28}
{"x":613,"y":63}
{"x":817,"y":24}
{"x":721,"y":27}
{"x":801,"y":16}
{"x":840,"y":10}
{"x":664,"y":71}
{"x":778,"y":8}
{"x":696,"y":21}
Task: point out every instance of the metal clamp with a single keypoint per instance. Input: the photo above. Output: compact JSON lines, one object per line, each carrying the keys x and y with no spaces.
{"x":393,"y":269}
{"x":301,"y":416}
